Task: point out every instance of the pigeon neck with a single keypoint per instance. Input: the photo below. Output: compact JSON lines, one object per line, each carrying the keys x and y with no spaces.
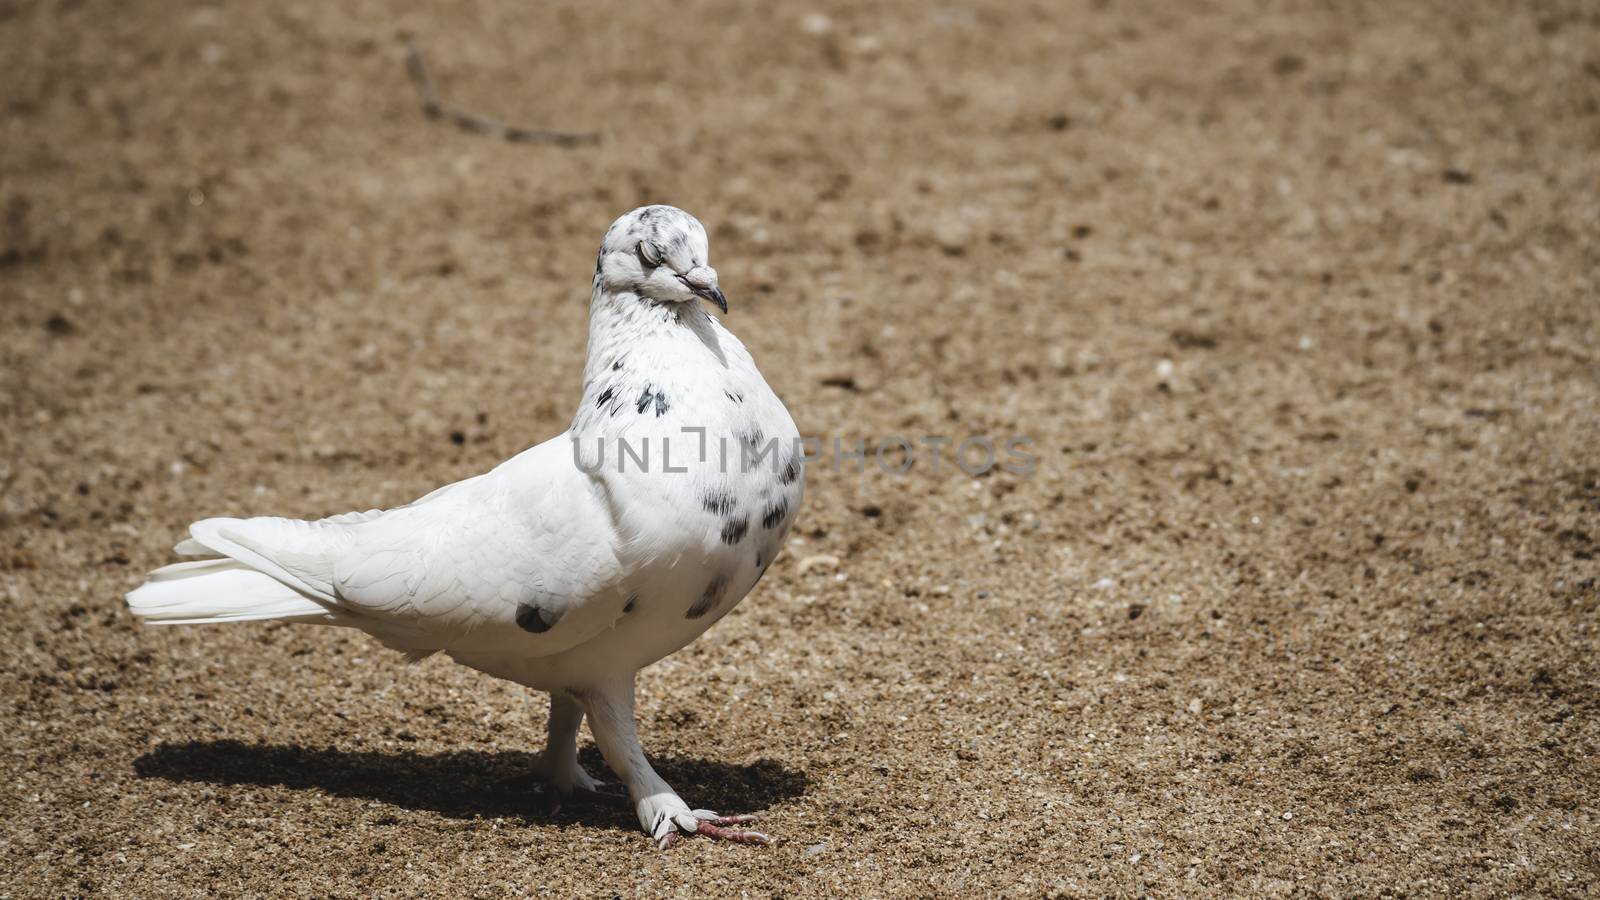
{"x":621,"y":323}
{"x":637,"y":343}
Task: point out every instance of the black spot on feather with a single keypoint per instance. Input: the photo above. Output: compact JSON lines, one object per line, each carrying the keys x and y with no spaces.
{"x":604,"y":397}
{"x":709,"y":599}
{"x":718,"y":503}
{"x":791,"y":470}
{"x":733,"y":530}
{"x":529,"y":619}
{"x":775,"y":513}
{"x":653,"y":398}
{"x":751,"y":438}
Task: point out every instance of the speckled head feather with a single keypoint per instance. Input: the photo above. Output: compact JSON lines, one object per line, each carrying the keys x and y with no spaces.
{"x":659,"y":254}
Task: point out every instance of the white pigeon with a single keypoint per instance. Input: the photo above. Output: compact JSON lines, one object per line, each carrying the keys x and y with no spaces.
{"x":575,"y":563}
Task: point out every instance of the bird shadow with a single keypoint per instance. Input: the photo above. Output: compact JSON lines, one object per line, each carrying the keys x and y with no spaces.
{"x":467,"y":784}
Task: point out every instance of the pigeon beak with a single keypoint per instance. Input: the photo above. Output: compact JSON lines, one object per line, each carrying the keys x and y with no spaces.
{"x":714,"y":294}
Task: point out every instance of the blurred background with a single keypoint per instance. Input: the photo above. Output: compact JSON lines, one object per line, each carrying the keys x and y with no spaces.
{"x":1296,"y":302}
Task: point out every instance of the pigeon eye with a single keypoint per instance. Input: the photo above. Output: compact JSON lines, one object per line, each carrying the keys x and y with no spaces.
{"x":649,"y":253}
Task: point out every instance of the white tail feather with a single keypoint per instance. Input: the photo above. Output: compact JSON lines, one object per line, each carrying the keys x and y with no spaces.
{"x":219,"y":590}
{"x":270,"y":568}
{"x":192,"y":547}
{"x":297,"y":553}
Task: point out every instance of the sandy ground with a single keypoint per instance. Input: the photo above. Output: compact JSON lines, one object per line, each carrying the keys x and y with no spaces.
{"x":1296,"y":303}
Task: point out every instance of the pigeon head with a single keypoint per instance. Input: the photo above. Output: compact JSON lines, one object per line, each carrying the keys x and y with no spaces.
{"x":658,"y":253}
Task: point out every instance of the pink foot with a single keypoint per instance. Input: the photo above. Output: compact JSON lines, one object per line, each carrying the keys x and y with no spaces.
{"x":717,"y":828}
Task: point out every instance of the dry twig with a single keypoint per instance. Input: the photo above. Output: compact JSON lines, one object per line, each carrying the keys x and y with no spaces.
{"x":438,"y":109}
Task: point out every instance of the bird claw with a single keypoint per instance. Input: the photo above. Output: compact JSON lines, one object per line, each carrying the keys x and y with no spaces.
{"x":715,"y":827}
{"x":716,"y":830}
{"x":576,"y":782}
{"x":604,"y":791}
{"x":607,"y":793}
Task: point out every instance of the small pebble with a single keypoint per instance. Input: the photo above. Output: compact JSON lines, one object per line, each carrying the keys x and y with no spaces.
{"x":816,"y":24}
{"x":823,"y":561}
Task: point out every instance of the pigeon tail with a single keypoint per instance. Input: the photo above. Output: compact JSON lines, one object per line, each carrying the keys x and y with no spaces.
{"x":272,"y":569}
{"x":296,"y":552}
{"x":219,"y":590}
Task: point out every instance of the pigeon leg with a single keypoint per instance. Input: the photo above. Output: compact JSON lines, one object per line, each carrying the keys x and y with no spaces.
{"x":559,"y":761}
{"x":662,"y":813}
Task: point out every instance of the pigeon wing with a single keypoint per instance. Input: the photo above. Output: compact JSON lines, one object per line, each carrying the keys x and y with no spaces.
{"x":522,"y":559}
